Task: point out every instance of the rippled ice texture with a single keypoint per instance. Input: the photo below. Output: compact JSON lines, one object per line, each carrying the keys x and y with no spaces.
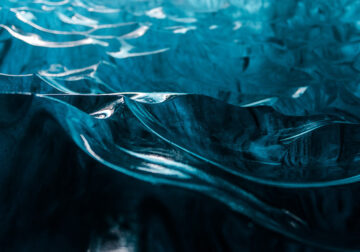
{"x":253,"y":103}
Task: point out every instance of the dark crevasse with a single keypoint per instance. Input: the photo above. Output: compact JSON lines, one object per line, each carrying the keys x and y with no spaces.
{"x":223,"y":125}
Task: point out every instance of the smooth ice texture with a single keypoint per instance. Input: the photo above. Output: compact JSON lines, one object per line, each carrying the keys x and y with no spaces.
{"x":254,"y":103}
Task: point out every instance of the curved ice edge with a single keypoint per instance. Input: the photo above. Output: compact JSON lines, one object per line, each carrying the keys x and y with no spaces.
{"x":133,"y":99}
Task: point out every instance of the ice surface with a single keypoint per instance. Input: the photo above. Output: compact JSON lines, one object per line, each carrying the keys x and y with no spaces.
{"x":252,"y":104}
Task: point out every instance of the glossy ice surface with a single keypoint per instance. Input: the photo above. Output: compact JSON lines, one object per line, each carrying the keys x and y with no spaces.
{"x":253,"y":103}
